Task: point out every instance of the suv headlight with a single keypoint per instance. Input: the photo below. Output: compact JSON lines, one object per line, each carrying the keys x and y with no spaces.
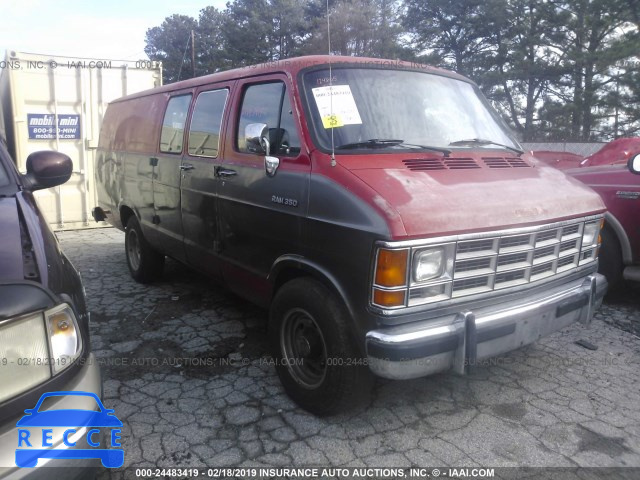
{"x":36,"y":347}
{"x":64,"y":337}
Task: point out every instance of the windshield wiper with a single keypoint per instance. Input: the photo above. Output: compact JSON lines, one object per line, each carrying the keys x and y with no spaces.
{"x":383,"y":143}
{"x":371,"y":143}
{"x":483,"y":141}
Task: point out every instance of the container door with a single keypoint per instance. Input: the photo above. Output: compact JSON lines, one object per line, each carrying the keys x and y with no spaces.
{"x":167,"y":176}
{"x":199,"y":184}
{"x":261,"y":216}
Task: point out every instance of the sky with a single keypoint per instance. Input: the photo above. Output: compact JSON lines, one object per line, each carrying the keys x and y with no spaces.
{"x":106,"y":29}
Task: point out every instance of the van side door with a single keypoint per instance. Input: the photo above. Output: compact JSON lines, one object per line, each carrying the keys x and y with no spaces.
{"x":167,"y":174}
{"x":199,"y":183}
{"x":261,"y":215}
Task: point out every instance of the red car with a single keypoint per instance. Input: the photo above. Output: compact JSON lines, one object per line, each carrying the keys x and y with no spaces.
{"x":609,"y":172}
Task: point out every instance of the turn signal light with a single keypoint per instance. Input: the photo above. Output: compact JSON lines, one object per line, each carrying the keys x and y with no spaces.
{"x":391,"y":268}
{"x":385,"y":298}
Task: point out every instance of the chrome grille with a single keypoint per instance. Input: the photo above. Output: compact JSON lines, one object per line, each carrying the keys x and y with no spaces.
{"x":508,"y":260}
{"x":501,"y":261}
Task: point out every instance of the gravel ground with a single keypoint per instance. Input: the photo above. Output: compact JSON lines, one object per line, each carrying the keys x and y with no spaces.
{"x":186,"y":369}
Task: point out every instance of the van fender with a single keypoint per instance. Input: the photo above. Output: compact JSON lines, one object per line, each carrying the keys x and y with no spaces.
{"x":625,"y":245}
{"x":294,"y":266}
{"x":125,"y":206}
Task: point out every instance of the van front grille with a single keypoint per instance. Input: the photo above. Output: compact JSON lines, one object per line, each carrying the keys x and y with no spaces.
{"x":503,"y":261}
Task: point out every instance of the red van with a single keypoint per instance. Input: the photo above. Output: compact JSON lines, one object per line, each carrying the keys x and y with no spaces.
{"x":380,"y":210}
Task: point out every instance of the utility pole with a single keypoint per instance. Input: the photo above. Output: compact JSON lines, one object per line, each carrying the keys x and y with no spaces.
{"x":193,"y":54}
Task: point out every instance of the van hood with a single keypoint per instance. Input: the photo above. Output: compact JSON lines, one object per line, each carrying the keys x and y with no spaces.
{"x":431,"y":200}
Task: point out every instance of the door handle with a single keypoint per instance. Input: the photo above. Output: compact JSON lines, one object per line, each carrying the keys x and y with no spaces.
{"x":225,"y":172}
{"x":186,"y":166}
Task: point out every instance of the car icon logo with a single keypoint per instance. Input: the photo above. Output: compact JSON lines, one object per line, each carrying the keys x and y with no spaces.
{"x":69,"y":433}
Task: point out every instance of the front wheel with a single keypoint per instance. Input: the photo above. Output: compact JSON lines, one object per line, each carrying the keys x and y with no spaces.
{"x":317,"y":361}
{"x":145,"y":264}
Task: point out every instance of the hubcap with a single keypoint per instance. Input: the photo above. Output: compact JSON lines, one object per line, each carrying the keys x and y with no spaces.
{"x":303,"y":348}
{"x":133,"y":249}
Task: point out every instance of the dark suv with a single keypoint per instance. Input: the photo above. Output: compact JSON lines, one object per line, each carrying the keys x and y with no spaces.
{"x":44,"y":323}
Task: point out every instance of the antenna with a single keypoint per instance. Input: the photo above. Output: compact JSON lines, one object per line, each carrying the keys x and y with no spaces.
{"x":184,"y":55}
{"x":333,"y":145}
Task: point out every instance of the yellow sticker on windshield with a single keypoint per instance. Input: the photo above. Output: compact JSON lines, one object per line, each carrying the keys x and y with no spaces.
{"x":332,"y":121}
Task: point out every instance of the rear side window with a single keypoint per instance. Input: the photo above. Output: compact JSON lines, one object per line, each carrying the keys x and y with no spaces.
{"x":173,"y":124}
{"x":204,"y":131}
{"x":269,"y":103}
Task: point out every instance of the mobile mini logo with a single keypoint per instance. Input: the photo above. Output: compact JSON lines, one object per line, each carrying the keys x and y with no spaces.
{"x":69,"y":433}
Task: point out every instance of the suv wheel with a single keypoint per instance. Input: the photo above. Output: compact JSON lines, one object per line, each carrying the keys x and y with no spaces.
{"x":318,"y":363}
{"x":145,"y":264}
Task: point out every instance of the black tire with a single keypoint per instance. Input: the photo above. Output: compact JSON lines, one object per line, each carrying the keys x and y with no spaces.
{"x":145,"y":264}
{"x":317,"y":361}
{"x":610,"y":261}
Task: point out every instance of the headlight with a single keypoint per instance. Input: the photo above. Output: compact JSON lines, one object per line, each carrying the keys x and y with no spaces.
{"x":35,"y":347}
{"x":22,"y":342}
{"x":428,"y":264}
{"x":64,"y":337}
{"x":590,"y":233}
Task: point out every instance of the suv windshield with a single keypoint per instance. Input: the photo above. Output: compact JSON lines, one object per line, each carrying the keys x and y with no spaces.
{"x":399,"y":109}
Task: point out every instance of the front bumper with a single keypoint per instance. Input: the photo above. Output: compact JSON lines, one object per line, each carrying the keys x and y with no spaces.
{"x":459,"y":340}
{"x":88,"y":379}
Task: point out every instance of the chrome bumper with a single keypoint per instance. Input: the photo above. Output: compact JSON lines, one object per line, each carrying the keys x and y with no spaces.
{"x":460,"y":340}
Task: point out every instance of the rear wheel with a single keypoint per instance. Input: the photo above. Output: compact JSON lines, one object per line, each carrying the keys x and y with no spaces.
{"x":145,"y":264}
{"x":318,"y":363}
{"x":610,"y":261}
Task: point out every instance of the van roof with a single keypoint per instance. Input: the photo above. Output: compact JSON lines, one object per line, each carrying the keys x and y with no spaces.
{"x":293,"y":66}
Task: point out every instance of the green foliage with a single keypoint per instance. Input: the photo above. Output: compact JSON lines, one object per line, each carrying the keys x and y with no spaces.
{"x":168,"y":43}
{"x":555,"y":69}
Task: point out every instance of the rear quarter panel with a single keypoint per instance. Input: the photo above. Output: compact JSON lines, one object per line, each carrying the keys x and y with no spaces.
{"x":128,"y":140}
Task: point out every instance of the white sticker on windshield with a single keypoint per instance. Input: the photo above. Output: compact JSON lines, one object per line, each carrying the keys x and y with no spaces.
{"x":337,"y":106}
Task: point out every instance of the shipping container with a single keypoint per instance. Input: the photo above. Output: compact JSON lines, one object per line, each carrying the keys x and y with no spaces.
{"x":58,"y":103}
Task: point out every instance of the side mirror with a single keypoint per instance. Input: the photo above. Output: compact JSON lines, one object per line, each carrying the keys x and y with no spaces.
{"x":256,"y":136}
{"x":634,"y":164}
{"x":46,"y":169}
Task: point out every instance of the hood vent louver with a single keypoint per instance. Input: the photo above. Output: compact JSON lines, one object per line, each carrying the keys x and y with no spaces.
{"x":449,"y":163}
{"x":440,"y":163}
{"x":505,"y":162}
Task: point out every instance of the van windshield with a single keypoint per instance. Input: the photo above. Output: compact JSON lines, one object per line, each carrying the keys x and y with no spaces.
{"x":371,"y":108}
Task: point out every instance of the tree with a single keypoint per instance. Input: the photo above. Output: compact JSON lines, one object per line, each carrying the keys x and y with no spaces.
{"x":210,"y":42}
{"x":168,"y":43}
{"x":368,"y":28}
{"x":600,"y":35}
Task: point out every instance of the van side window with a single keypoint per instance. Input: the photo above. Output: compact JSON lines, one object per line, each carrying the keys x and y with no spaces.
{"x":173,"y":124}
{"x":269,"y":103}
{"x":204,"y":131}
